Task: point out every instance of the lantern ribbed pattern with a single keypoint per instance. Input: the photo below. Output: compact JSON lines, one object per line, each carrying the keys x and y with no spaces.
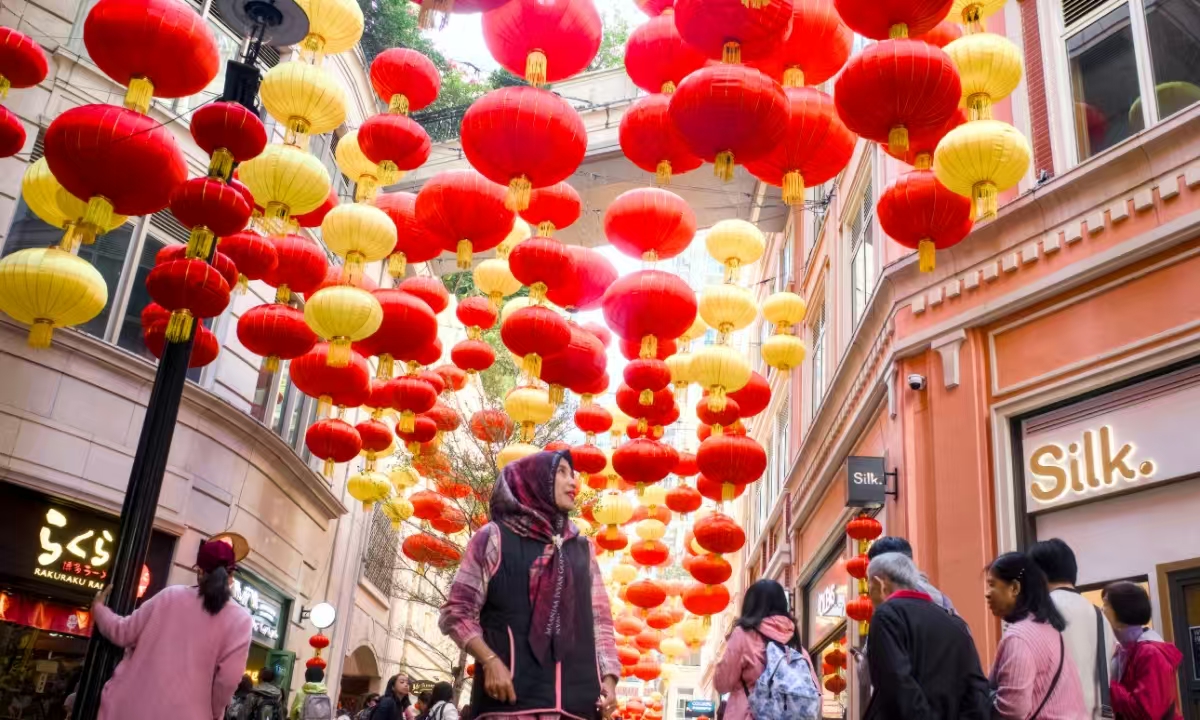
{"x":817,"y":48}
{"x":651,"y":529}
{"x":918,"y":212}
{"x":784,"y":352}
{"x":728,"y":308}
{"x":972,"y":12}
{"x":359,"y":232}
{"x":543,"y":40}
{"x":720,"y":369}
{"x":514,"y":452}
{"x":304,"y":98}
{"x":342,"y":314}
{"x":464,"y":212}
{"x":650,"y":140}
{"x":334,"y":26}
{"x":656,"y":57}
{"x":785,"y":309}
{"x":351,"y":160}
{"x":405,"y":79}
{"x":528,"y":406}
{"x":520,"y":233}
{"x":612,"y":508}
{"x":47,"y":288}
{"x":22,"y":61}
{"x":734,"y":243}
{"x":989,"y":67}
{"x":286,"y":177}
{"x":980,"y":159}
{"x":51,"y":202}
{"x":649,"y":223}
{"x":369,"y":488}
{"x":734,"y":30}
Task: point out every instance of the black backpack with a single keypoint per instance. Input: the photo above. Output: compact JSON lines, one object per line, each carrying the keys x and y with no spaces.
{"x":268,"y":708}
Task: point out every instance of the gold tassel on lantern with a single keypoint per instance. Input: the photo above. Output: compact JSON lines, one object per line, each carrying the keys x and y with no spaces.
{"x":98,"y":214}
{"x":556,"y":394}
{"x":923,"y":161}
{"x":898,"y":139}
{"x":283,"y":295}
{"x":519,"y":190}
{"x":387,"y":365}
{"x":272,"y":363}
{"x":327,"y":468}
{"x":985,"y":195}
{"x":535,"y":69}
{"x":179,"y":327}
{"x":339,"y":352}
{"x":716,"y":398}
{"x":397,"y":264}
{"x":898,"y":31}
{"x":464,"y":258}
{"x":537,"y":292}
{"x":667,"y":88}
{"x":407,"y":422}
{"x":323,"y":404}
{"x":925,"y":255}
{"x":546,"y":229}
{"x":531,"y":365}
{"x":793,"y":188}
{"x":732,"y":54}
{"x":139,"y":94}
{"x":200,"y":243}
{"x":649,"y":347}
{"x":662,"y":172}
{"x":723,"y":166}
{"x":220,"y":165}
{"x":646,"y":397}
{"x":793,"y":77}
{"x":398,"y":105}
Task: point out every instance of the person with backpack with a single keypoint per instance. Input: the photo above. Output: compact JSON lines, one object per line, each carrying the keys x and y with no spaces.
{"x":923,"y":662}
{"x":1145,"y":666}
{"x":369,"y":704}
{"x":764,"y":668}
{"x":440,"y":705}
{"x":266,"y":699}
{"x":1034,"y":677}
{"x":313,"y":701}
{"x":239,"y":706}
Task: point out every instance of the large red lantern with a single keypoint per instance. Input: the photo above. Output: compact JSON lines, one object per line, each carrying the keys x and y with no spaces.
{"x":593,"y":420}
{"x":647,"y":669}
{"x":190,"y":289}
{"x":254,"y":255}
{"x":754,"y":397}
{"x":719,"y":533}
{"x":647,"y":305}
{"x":897,"y":87}
{"x":818,"y":47}
{"x":476,"y":314}
{"x":705,"y":600}
{"x":649,"y":223}
{"x":709,"y":569}
{"x":412,"y":396}
{"x":205,"y":347}
{"x":656,"y":57}
{"x":647,"y":376}
{"x":816,"y":147}
{"x":883,"y":19}
{"x":209,"y":208}
{"x":646,"y":593}
{"x":727,"y":415}
{"x":275,"y":332}
{"x":632,"y":349}
{"x":334,"y":441}
{"x":533,"y":333}
{"x":523,"y":137}
{"x":718,"y":492}
{"x":918,"y":212}
{"x":736,"y":459}
{"x":612,"y":540}
{"x":405,"y":79}
{"x":728,"y":114}
{"x":395,"y":142}
{"x":301,"y":267}
{"x":472,"y":356}
{"x":491,"y":426}
{"x":553,"y":208}
{"x":376,"y":437}
{"x":408,"y":325}
{"x":577,"y":363}
{"x":644,"y":462}
{"x":22,"y":62}
{"x":588,"y":459}
{"x":541,"y":263}
{"x":683,"y":499}
{"x":543,"y":41}
{"x":591,"y":275}
{"x":229,"y":133}
{"x":429,"y":290}
{"x":463,"y":212}
{"x":650,"y":140}
{"x":424,"y":430}
{"x":733,"y":30}
{"x":311,"y":374}
{"x":864,"y":527}
{"x":860,"y":609}
{"x":12,"y":133}
{"x":649,"y":553}
{"x":425,"y":549}
{"x":456,"y":378}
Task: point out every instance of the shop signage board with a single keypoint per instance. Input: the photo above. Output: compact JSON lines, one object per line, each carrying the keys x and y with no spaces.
{"x":1122,"y":445}
{"x":866,"y":482}
{"x":264,"y":607}
{"x":420,"y":686}
{"x":699,"y":708}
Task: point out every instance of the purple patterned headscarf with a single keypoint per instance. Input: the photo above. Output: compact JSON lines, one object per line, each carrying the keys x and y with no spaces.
{"x":523,"y":501}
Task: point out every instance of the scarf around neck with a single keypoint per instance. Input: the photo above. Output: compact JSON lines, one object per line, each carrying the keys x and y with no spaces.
{"x":523,"y":502}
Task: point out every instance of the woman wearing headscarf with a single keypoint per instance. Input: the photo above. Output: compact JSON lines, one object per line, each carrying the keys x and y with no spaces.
{"x":529,"y":604}
{"x":185,"y":648}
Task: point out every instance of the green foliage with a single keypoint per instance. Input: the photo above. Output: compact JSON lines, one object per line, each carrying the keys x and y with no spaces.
{"x":612,"y":44}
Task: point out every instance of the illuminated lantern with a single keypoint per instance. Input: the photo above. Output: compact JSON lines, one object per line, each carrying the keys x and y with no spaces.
{"x":649,"y":223}
{"x":646,"y":594}
{"x":334,"y":441}
{"x":528,"y":407}
{"x":730,"y":113}
{"x":817,"y":48}
{"x":864,"y":527}
{"x":895,"y":87}
{"x":720,"y":369}
{"x":918,"y":212}
{"x":543,"y":41}
{"x":464,"y":212}
{"x":548,"y":132}
{"x":405,"y":79}
{"x":710,"y":569}
{"x":47,"y":288}
{"x":551,"y":208}
{"x":656,"y":57}
{"x":591,"y":275}
{"x":306,"y":99}
{"x":683,"y":499}
{"x":860,"y":609}
{"x":719,"y":533}
{"x":649,"y":139}
{"x":532,"y":333}
{"x":342,"y":314}
{"x":883,"y":19}
{"x":733,"y":30}
{"x":705,"y":600}
{"x":649,"y":304}
{"x":817,"y":146}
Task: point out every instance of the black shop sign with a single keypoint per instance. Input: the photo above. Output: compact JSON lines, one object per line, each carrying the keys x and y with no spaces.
{"x":866,"y":482}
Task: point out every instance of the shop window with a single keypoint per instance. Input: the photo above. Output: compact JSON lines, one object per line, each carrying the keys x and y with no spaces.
{"x":1114,"y":61}
{"x":825,"y":627}
{"x":860,"y":231}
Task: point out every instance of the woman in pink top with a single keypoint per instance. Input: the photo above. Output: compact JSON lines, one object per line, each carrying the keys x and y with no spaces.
{"x":764,"y":617}
{"x":185,"y":649}
{"x":1034,"y":677}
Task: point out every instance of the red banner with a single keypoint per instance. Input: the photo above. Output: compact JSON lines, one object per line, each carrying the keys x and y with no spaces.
{"x":45,"y":615}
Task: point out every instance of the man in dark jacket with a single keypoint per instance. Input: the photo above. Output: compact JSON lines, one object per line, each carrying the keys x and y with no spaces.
{"x":266,"y":698}
{"x":923,"y":663}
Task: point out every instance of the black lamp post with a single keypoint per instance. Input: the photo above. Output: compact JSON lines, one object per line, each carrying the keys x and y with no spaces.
{"x":275,"y":22}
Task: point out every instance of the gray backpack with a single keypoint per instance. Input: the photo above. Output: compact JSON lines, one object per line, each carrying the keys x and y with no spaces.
{"x":317,"y":707}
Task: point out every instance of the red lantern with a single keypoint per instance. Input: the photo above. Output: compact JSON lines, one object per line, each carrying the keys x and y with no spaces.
{"x":491,"y":426}
{"x":427,"y":504}
{"x":660,"y":618}
{"x":190,"y":289}
{"x":734,"y":459}
{"x":860,"y":609}
{"x":897,"y":87}
{"x":220,"y":262}
{"x":919,"y":212}
{"x":727,"y":416}
{"x":644,"y":462}
{"x":424,"y":430}
{"x":856,"y":566}
{"x":431,"y":354}
{"x":455,"y":378}
{"x":552,"y":208}
{"x":705,"y":600}
{"x":656,"y":57}
{"x":704,"y":432}
{"x":229,"y":127}
{"x":541,"y":263}
{"x":446,"y":419}
{"x":835,"y":684}
{"x":532,"y":333}
{"x":319,"y":641}
{"x":818,"y":47}
{"x":523,"y":137}
{"x":205,"y":347}
{"x":412,"y":396}
{"x":683,"y":499}
{"x":253,"y":255}
{"x":649,"y":639}
{"x":163,"y":42}
{"x":649,"y":223}
{"x":315,"y":662}
{"x":452,"y":520}
{"x":719,"y":533}
{"x":728,"y":114}
{"x":301,"y":267}
{"x":314,"y":218}
{"x":647,"y":376}
{"x":311,"y":374}
{"x":429,"y":290}
{"x":209,"y":208}
{"x":650,"y":140}
{"x":628,"y":656}
{"x":473,"y":356}
{"x":543,"y":41}
{"x":647,"y":305}
{"x":334,"y":441}
{"x":922,"y":143}
{"x":276,"y":332}
{"x":405,"y":79}
{"x":754,"y":397}
{"x":649,"y":553}
{"x":593,"y":419}
{"x":864,"y":527}
{"x":602,"y":333}
{"x":408,"y":326}
{"x":942,"y":34}
{"x":425,"y":549}
{"x":463,"y":212}
{"x":815,"y":149}
{"x":612,"y":540}
{"x":718,"y":492}
{"x":710,"y":569}
{"x":22,"y":61}
{"x":646,"y":594}
{"x":732,"y":30}
{"x":883,"y":19}
{"x":376,"y":436}
{"x":12,"y":133}
{"x":395,"y":142}
{"x":575,"y":365}
{"x":836,"y":658}
{"x":476,"y":313}
{"x":591,"y":275}
{"x":471,"y":670}
{"x":647,"y":670}
{"x":412,"y":244}
{"x":686,"y":467}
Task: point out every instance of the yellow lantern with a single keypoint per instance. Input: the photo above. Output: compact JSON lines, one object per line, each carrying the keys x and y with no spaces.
{"x":727,"y":308}
{"x":619,"y":424}
{"x":334,"y":26}
{"x":654,"y":496}
{"x":403,"y":477}
{"x":529,"y":407}
{"x":514,"y":452}
{"x":692,"y":632}
{"x":369,"y":488}
{"x":355,"y":165}
{"x":972,"y":13}
{"x":979,"y":159}
{"x":735,"y":243}
{"x":305,"y":99}
{"x":373,"y":455}
{"x":494,"y":279}
{"x":785,"y":310}
{"x":51,"y":202}
{"x":285,"y":181}
{"x":360,"y":233}
{"x":49,"y":288}
{"x":720,"y":369}
{"x":397,"y":509}
{"x":623,"y":574}
{"x":696,"y":331}
{"x":342,"y":314}
{"x":680,"y":365}
{"x":784,"y":352}
{"x":651,"y":529}
{"x":519,"y":234}
{"x":612,"y":509}
{"x":673,"y":647}
{"x":989,"y":66}
{"x":585,"y":527}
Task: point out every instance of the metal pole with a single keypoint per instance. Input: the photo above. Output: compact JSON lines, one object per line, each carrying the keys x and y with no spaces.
{"x":145,"y":484}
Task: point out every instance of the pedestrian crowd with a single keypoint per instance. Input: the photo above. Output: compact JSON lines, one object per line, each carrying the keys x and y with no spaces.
{"x":1059,"y":658}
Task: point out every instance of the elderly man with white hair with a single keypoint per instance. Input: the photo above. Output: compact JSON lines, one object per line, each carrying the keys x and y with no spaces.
{"x":923,"y":662}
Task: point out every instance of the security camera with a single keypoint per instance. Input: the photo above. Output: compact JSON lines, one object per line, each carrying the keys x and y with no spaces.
{"x":916,"y":382}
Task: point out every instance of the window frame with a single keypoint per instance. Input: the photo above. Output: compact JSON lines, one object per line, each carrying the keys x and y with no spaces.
{"x":863,"y":245}
{"x":818,"y":333}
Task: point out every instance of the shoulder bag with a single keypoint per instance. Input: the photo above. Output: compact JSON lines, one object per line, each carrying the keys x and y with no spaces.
{"x":1106,"y":710}
{"x":1062,"y":653}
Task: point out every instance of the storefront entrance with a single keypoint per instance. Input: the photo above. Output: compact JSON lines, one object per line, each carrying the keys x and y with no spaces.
{"x":1183,"y":590}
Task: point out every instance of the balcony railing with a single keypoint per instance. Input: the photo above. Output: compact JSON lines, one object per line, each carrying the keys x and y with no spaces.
{"x":442,"y":125}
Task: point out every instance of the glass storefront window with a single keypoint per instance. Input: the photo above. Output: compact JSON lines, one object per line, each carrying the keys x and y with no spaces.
{"x":825,"y":601}
{"x":1173,"y":27}
{"x":1104,"y":82}
{"x":833,"y":665}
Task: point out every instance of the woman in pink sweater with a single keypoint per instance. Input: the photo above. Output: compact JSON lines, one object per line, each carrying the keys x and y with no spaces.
{"x":1034,"y":677}
{"x":764,"y":617}
{"x":185,"y":649}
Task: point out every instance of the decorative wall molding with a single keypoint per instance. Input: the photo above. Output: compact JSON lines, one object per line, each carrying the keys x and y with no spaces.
{"x":948,"y":346}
